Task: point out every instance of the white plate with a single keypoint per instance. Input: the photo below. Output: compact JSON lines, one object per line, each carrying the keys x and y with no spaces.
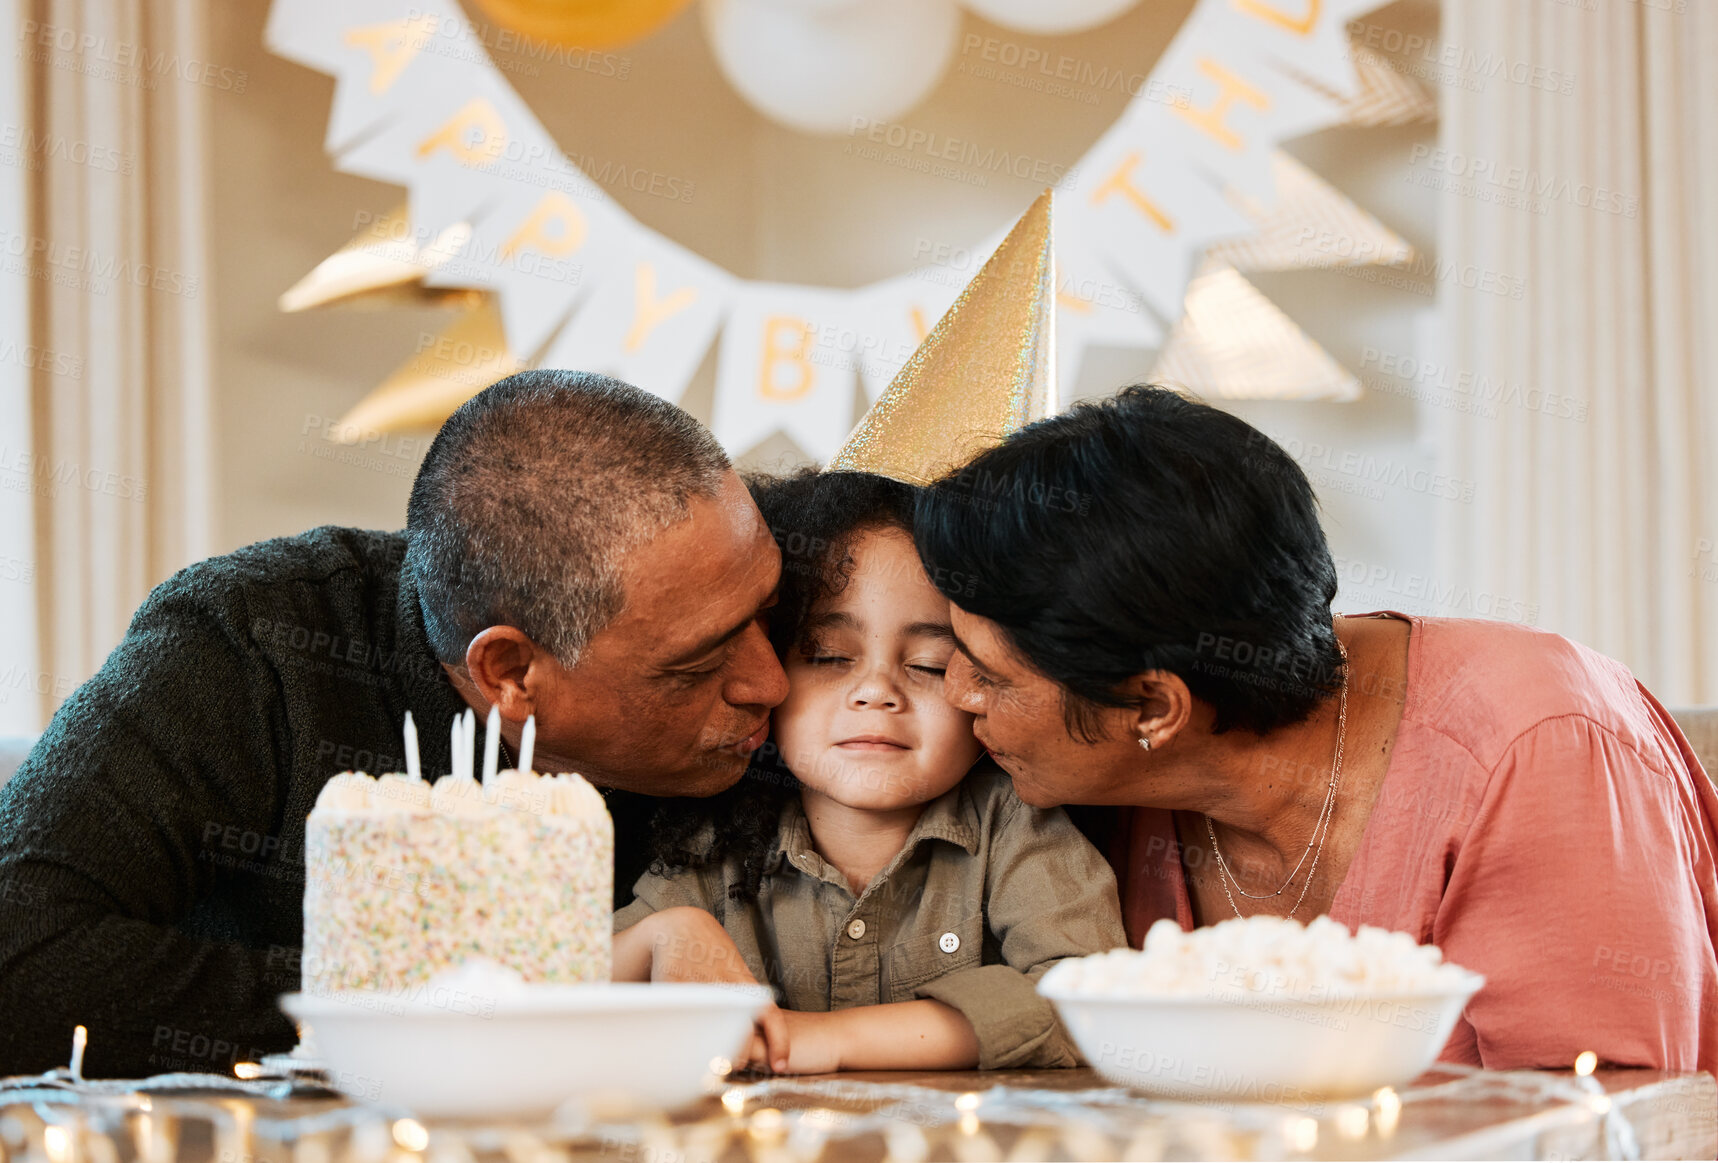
{"x":447,"y":1053}
{"x":1267,"y":1049}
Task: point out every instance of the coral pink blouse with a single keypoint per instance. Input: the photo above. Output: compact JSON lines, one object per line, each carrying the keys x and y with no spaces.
{"x":1545,"y":823}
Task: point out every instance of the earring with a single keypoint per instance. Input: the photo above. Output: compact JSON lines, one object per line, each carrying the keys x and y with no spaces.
{"x":1145,"y":743}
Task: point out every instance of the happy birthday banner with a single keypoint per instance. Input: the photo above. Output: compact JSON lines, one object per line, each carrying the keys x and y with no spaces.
{"x":495,"y":206}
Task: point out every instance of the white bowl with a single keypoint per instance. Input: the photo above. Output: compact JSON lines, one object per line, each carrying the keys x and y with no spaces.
{"x":610,"y":1046}
{"x":1267,"y":1048}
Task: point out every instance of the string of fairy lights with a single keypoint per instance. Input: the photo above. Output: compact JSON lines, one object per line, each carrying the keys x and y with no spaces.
{"x":61,"y":1117}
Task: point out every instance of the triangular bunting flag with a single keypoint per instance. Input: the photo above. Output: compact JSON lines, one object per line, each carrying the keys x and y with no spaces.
{"x":428,"y":388}
{"x":1234,"y":343}
{"x":1312,"y":225}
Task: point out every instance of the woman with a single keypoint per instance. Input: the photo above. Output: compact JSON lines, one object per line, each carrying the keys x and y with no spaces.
{"x":1151,"y":627}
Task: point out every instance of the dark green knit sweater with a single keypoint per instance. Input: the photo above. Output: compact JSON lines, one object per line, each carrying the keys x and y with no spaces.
{"x":152,"y":846}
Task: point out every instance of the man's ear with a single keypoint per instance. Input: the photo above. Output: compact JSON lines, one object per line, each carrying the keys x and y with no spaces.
{"x":508,"y":670}
{"x":1165,"y":705}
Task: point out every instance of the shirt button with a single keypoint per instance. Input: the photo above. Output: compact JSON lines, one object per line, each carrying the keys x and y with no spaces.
{"x":948,"y":942}
{"x":856,"y":930}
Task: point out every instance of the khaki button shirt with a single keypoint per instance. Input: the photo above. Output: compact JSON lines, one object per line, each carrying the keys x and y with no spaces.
{"x":983,"y":898}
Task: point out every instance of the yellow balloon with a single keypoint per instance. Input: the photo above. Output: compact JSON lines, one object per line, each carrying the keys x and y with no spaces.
{"x":593,"y":24}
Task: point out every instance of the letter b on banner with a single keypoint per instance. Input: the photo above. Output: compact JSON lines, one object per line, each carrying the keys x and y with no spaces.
{"x":785,"y":372}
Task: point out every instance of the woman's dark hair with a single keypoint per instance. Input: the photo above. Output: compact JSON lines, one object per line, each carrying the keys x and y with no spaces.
{"x":815,"y":517}
{"x":1147,"y":531}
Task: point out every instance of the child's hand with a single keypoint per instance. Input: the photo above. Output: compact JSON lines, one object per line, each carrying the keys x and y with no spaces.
{"x":688,"y":944}
{"x":792,"y":1042}
{"x":768,"y":1050}
{"x":905,"y":1035}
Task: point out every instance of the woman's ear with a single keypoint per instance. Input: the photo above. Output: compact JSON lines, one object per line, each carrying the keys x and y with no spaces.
{"x":1165,"y":705}
{"x":507,"y":669}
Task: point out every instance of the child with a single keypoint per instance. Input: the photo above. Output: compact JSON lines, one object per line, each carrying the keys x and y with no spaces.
{"x":901,"y":901}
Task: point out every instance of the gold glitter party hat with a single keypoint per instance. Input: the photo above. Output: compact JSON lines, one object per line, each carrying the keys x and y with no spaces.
{"x":987,"y":369}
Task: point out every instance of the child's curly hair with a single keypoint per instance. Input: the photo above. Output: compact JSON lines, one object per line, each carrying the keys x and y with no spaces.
{"x":815,"y":517}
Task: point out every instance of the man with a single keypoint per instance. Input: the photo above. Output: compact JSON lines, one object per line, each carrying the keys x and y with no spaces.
{"x":574,"y":548}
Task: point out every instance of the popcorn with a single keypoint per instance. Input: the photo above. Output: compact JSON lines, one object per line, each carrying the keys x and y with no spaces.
{"x":1261,"y":956}
{"x":484,"y":978}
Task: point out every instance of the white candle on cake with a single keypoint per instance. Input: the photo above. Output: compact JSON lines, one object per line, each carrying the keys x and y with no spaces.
{"x":414,"y":767}
{"x":528,"y":743}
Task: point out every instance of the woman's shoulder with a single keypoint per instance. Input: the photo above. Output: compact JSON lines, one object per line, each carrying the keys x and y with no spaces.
{"x":1486,"y":684}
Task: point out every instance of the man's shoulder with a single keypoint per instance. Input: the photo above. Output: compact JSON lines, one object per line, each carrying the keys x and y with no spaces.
{"x":315,"y":555}
{"x":232,"y":583}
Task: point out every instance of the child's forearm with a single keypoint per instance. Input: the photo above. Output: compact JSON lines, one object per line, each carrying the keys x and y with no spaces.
{"x":633,"y":949}
{"x":908,"y":1035}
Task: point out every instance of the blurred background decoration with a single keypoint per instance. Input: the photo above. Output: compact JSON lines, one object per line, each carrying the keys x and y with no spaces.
{"x":588,"y":24}
{"x":1461,"y":268}
{"x":495,"y":205}
{"x":821,"y":65}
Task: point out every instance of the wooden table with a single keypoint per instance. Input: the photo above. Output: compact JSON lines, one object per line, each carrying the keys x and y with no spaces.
{"x":1675,"y":1116}
{"x":933,"y":1116}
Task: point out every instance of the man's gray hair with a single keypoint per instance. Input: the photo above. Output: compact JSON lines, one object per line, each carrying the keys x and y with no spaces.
{"x":531,"y":496}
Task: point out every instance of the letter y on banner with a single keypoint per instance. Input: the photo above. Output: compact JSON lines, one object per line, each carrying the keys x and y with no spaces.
{"x":653,"y":320}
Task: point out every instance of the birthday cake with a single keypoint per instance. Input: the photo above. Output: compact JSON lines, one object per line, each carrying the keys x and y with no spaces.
{"x":404,"y":881}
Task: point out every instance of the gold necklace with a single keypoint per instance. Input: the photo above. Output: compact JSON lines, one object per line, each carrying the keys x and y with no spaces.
{"x":1320,"y":829}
